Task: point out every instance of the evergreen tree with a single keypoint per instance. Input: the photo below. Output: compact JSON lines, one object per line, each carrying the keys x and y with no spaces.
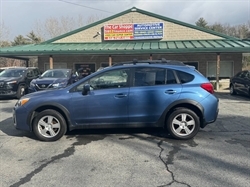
{"x":201,"y":23}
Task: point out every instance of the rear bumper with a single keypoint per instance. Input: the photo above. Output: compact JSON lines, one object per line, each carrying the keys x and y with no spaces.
{"x":205,"y":123}
{"x":211,"y":110}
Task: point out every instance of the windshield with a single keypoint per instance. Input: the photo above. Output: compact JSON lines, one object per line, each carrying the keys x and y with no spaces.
{"x":56,"y":73}
{"x":12,"y":73}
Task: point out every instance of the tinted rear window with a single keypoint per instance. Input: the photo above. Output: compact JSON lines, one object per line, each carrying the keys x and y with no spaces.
{"x":184,"y":77}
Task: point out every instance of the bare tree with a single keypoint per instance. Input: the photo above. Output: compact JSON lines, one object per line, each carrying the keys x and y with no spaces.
{"x":53,"y":27}
{"x":241,"y":31}
{"x":4,"y":34}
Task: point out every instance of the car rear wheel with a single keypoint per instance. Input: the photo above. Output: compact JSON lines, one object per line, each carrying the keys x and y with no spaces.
{"x":183,"y":124}
{"x":49,"y":125}
{"x":232,"y":90}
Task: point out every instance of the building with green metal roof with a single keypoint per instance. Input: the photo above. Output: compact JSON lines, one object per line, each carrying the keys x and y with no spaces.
{"x":139,"y":34}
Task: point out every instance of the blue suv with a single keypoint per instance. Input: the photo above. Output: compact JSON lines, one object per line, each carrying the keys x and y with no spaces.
{"x":159,"y":93}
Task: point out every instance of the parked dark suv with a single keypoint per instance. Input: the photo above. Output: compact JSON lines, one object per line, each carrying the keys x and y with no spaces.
{"x":158,"y":93}
{"x":14,"y":82}
{"x":240,"y":83}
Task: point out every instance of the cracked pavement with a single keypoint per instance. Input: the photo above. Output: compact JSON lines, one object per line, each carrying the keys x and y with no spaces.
{"x":217,"y":156}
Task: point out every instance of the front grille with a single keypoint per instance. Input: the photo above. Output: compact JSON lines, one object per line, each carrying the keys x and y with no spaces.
{"x":42,"y":86}
{"x":1,"y":84}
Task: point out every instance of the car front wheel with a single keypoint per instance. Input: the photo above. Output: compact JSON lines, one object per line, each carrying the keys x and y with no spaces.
{"x":49,"y":125}
{"x":20,"y":91}
{"x":183,"y":124}
{"x":232,"y":90}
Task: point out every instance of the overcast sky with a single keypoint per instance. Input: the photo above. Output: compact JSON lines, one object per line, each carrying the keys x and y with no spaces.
{"x":20,"y":16}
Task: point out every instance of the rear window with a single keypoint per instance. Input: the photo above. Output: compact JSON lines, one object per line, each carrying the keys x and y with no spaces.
{"x":184,"y":77}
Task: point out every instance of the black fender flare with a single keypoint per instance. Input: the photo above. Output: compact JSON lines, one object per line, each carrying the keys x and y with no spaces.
{"x":181,"y":103}
{"x":49,"y":105}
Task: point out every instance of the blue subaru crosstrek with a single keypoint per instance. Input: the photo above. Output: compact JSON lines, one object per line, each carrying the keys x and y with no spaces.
{"x":159,"y":93}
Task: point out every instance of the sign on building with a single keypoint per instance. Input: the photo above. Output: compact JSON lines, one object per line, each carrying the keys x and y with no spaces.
{"x":133,"y":31}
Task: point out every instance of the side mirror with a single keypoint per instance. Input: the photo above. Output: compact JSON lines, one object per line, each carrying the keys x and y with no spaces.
{"x":86,"y":89}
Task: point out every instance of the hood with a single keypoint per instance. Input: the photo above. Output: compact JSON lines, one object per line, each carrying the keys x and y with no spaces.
{"x":44,"y":93}
{"x":8,"y":79}
{"x":46,"y":80}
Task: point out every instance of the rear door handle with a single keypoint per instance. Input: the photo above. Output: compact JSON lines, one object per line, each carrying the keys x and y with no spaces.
{"x":121,"y":95}
{"x":170,"y":91}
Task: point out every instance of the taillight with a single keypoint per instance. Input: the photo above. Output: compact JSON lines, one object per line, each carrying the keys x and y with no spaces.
{"x":208,"y":87}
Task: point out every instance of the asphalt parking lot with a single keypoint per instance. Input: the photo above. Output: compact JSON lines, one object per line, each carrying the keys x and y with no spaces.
{"x":218,"y":156}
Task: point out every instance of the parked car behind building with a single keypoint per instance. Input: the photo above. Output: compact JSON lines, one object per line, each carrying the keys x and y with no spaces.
{"x":240,"y":83}
{"x":157,"y":93}
{"x":14,"y":81}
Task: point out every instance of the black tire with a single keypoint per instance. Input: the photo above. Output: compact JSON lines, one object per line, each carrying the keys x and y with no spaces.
{"x":232,"y":90}
{"x":20,"y":91}
{"x":183,"y":124}
{"x":49,"y":125}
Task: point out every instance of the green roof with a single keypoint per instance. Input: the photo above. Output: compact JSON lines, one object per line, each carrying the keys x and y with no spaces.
{"x":131,"y":47}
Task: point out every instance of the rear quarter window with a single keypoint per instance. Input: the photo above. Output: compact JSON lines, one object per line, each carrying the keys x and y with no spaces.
{"x":184,"y":77}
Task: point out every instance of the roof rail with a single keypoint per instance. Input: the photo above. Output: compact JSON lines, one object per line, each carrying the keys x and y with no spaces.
{"x":160,"y":61}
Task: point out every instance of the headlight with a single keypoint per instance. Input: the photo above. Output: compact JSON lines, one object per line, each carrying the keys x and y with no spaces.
{"x":61,"y":84}
{"x":12,"y":82}
{"x":32,"y":84}
{"x":22,"y":102}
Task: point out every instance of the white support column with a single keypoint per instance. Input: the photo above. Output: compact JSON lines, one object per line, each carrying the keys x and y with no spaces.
{"x":218,"y":72}
{"x":110,"y":60}
{"x":51,"y":62}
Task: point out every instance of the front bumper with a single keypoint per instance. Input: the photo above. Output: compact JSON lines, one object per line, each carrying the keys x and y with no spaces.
{"x":19,"y":116}
{"x":8,"y":93}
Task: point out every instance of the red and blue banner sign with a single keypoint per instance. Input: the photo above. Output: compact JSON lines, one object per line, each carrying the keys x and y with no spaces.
{"x":138,"y":31}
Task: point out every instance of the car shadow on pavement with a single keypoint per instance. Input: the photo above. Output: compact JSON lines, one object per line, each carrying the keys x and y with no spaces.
{"x":157,"y":132}
{"x":7,"y":127}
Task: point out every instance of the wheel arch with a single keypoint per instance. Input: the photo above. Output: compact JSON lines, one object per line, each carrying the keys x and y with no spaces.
{"x":52,"y":106}
{"x":190,"y":104}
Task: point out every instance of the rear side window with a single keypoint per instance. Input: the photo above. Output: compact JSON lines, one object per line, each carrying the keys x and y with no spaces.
{"x":149,"y":76}
{"x":184,"y":77}
{"x":153,"y":76}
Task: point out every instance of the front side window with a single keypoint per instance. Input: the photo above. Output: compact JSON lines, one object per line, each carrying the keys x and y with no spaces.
{"x":106,"y":80}
{"x":243,"y":74}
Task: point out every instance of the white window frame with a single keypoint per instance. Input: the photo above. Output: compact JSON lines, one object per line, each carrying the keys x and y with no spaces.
{"x":221,"y":62}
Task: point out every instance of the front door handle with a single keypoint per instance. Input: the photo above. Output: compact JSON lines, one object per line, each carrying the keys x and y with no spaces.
{"x":170,"y":91}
